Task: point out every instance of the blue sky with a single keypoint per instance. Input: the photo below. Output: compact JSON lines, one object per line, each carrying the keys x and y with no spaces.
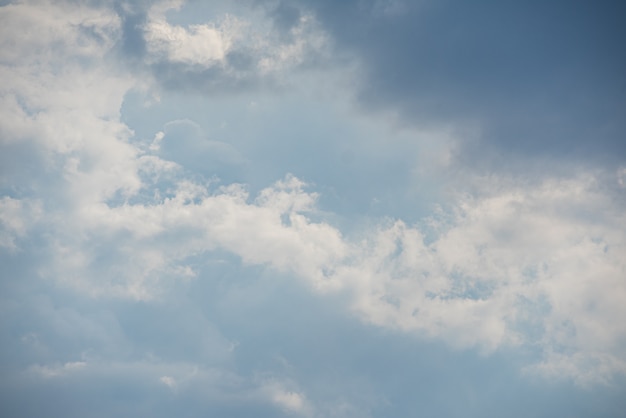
{"x":279,"y":208}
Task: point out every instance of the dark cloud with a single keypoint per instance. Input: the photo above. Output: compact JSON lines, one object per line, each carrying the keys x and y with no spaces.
{"x":537,"y":77}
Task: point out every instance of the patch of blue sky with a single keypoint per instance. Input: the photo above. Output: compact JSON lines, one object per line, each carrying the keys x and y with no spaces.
{"x":360,"y":165}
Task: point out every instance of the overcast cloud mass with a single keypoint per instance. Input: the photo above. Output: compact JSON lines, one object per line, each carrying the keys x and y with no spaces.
{"x":276,"y":208}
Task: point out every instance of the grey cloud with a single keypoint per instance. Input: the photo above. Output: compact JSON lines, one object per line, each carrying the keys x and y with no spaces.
{"x":538,"y":77}
{"x":533,"y":78}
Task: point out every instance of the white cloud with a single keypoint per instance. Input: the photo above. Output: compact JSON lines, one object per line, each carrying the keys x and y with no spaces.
{"x":86,"y":30}
{"x":283,"y":394}
{"x":307,"y":40}
{"x":547,"y":256}
{"x":168,"y":381}
{"x":237,"y":48}
{"x":291,"y":401}
{"x":584,"y":368}
{"x":64,"y":99}
{"x":194,"y":220}
{"x":57,"y":370}
{"x":205,"y":45}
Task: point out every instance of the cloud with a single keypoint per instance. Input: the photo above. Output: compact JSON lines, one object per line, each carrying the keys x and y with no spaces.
{"x":202,"y":45}
{"x":238,"y":50}
{"x":495,"y":266}
{"x":57,"y":370}
{"x":168,"y":381}
{"x":537,"y":79}
{"x":288,"y":400}
{"x":61,"y":96}
{"x":477,"y":283}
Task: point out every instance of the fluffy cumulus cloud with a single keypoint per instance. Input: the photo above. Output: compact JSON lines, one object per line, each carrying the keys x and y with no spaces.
{"x":131,"y":265}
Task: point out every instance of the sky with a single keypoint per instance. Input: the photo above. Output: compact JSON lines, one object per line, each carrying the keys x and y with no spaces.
{"x":313,"y":208}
